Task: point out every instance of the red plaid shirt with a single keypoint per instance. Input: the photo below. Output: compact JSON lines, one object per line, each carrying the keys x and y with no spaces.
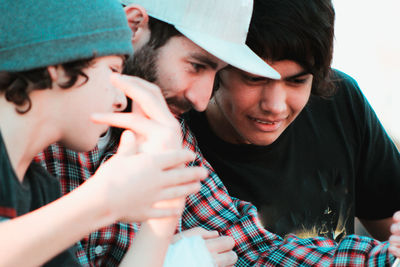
{"x":212,"y":208}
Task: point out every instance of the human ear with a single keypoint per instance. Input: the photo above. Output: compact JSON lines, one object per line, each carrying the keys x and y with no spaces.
{"x":138,"y":20}
{"x":57,"y":75}
{"x":52,"y":70}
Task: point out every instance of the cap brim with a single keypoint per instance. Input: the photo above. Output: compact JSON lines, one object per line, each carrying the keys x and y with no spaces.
{"x":237,"y":55}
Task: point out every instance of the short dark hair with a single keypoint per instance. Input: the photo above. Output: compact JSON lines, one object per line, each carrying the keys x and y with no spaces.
{"x":298,"y":30}
{"x":16,"y":86}
{"x":160,"y":32}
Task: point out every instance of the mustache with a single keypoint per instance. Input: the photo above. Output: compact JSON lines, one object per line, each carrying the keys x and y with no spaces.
{"x":181,"y":103}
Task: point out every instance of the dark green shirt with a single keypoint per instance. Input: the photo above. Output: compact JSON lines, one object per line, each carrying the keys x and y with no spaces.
{"x":37,"y":189}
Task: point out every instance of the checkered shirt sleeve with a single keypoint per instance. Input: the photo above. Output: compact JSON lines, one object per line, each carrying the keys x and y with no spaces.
{"x":212,"y":208}
{"x":107,"y":246}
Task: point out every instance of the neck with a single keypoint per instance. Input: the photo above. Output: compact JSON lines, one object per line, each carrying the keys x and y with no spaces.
{"x":24,"y":135}
{"x":219,"y":124}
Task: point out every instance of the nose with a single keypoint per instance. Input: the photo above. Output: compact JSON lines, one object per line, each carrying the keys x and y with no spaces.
{"x":200,"y":91}
{"x":120,"y":101}
{"x":273,"y":98}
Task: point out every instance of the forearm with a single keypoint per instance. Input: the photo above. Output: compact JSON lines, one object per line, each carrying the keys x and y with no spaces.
{"x":255,"y":246}
{"x":36,"y":237}
{"x":318,"y":251}
{"x":148,"y":249}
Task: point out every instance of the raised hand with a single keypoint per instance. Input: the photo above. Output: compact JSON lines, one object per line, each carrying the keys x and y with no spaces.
{"x":132,"y":183}
{"x":154,"y":125}
{"x":155,"y":128}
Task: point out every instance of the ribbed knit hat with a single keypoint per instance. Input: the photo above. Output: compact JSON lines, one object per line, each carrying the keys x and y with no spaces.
{"x":40,"y":33}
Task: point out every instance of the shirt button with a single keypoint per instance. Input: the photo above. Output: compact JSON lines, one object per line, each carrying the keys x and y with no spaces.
{"x":98,"y":250}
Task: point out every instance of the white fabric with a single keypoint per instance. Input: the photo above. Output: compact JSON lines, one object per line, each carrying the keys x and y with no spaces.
{"x":218,"y":26}
{"x":189,"y":251}
{"x":103,"y":142}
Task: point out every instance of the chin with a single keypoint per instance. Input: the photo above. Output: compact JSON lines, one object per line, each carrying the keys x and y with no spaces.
{"x":83,"y":145}
{"x":261,"y":141}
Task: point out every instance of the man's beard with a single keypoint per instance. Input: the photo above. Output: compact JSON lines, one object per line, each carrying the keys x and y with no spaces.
{"x":178,"y":105}
{"x":143,"y":64}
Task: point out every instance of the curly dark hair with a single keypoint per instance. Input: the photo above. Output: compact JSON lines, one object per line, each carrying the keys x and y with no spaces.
{"x":16,"y":86}
{"x":298,"y":30}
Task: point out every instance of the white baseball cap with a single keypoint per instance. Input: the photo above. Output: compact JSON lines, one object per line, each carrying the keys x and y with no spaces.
{"x":218,"y":26}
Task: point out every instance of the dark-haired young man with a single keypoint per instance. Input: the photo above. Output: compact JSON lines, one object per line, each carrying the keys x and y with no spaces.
{"x":181,"y":75}
{"x":307,"y":150}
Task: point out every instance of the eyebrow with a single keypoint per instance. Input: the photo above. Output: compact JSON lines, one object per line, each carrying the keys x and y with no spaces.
{"x":204,"y":60}
{"x":304,"y":72}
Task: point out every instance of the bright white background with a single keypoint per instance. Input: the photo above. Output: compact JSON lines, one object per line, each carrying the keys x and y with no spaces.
{"x":367,"y":47}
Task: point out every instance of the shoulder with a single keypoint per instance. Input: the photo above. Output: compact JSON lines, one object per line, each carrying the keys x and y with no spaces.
{"x":43,"y":184}
{"x":340,"y":77}
{"x":347,"y":91}
{"x":345,"y":84}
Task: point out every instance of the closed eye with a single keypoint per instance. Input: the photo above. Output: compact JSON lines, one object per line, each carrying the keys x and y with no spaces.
{"x":298,"y":80}
{"x":197,"y":67}
{"x":118,"y":70}
{"x":254,"y":79}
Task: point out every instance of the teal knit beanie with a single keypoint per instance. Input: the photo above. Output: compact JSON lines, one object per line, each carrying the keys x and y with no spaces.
{"x":40,"y":33}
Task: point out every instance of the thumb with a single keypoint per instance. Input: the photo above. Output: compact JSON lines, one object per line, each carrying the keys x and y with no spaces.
{"x":127,"y":145}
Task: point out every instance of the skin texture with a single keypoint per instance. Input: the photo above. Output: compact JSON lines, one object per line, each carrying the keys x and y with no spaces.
{"x":394,"y":239}
{"x":249,"y":109}
{"x":78,"y":131}
{"x":59,"y":114}
{"x":184,"y":71}
{"x":242,"y":98}
{"x":220,"y":247}
{"x":185,"y":74}
{"x":276,"y":102}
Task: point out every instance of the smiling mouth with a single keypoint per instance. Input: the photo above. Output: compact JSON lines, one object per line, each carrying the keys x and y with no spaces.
{"x":266,"y":122}
{"x":263,"y":122}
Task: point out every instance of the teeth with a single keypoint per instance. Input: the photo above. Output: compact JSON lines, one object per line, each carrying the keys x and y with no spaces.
{"x":264,"y":122}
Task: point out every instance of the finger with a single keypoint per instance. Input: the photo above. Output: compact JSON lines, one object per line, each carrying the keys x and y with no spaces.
{"x":163,"y":212}
{"x":220,"y":244}
{"x":168,"y":159}
{"x":396,"y":216}
{"x":134,"y":122}
{"x":394,"y":239}
{"x":394,"y":250}
{"x":395,"y":229}
{"x":205,"y":234}
{"x":183,"y":175}
{"x":136,"y":109}
{"x":225,"y":259}
{"x":196,"y":231}
{"x":149,"y":86}
{"x":127,"y":144}
{"x":179,"y":191}
{"x":148,"y":96}
{"x":210,"y":235}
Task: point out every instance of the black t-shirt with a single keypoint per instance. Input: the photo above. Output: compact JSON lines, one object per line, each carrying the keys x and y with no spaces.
{"x":37,"y":189}
{"x":334,"y":162}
